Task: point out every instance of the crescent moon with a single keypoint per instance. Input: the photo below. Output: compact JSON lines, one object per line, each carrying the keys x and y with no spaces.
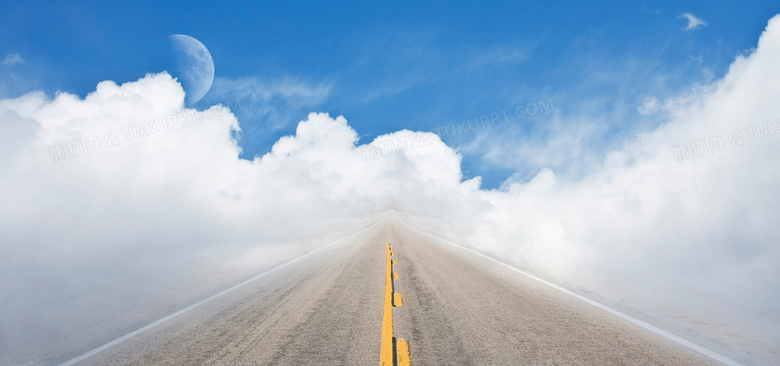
{"x":195,"y":67}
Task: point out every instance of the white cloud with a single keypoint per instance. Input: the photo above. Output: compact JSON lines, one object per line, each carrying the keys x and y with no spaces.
{"x":689,"y":233}
{"x":13,"y":59}
{"x":693,"y":21}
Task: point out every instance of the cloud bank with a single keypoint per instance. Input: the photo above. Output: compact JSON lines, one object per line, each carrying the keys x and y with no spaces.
{"x":104,"y":190}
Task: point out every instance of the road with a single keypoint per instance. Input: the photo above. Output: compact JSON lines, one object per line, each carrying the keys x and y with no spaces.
{"x":458,"y":309}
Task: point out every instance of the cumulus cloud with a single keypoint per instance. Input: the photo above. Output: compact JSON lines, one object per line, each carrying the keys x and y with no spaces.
{"x":12,"y":59}
{"x":683,"y":214}
{"x":693,"y":21}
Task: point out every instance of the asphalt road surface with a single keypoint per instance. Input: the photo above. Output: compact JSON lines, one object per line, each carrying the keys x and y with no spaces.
{"x":458,"y":309}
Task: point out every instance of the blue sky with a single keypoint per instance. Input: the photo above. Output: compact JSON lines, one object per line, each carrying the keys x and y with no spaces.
{"x":393,"y":65}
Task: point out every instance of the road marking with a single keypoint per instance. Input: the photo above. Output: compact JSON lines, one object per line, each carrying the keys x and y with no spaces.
{"x":391,"y":347}
{"x":397,"y":302}
{"x":403,"y":352}
{"x":386,"y":353}
{"x":709,"y":353}
{"x":199,"y":303}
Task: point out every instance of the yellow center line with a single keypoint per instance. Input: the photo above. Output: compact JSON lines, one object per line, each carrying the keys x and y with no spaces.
{"x":386,"y":355}
{"x":392,"y":347}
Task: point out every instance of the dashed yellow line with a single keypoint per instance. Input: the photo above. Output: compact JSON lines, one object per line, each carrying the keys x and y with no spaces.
{"x":397,"y":302}
{"x":403,"y":353}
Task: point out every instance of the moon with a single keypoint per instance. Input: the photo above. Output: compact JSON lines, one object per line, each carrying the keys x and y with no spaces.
{"x":194,"y":66}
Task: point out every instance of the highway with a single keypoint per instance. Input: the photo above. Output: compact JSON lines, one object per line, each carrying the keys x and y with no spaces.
{"x":330,"y":308}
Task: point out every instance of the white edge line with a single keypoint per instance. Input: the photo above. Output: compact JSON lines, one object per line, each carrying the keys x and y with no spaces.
{"x":709,"y":353}
{"x":199,"y":303}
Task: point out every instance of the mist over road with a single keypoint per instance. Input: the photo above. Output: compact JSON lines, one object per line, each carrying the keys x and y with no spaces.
{"x":457,"y":309}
